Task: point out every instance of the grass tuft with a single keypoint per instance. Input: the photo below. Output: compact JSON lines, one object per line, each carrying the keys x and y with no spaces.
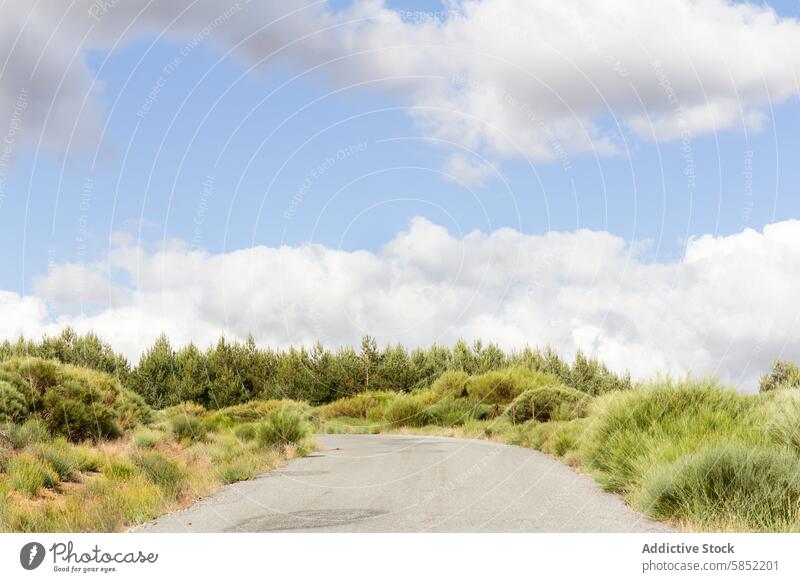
{"x":28,"y":473}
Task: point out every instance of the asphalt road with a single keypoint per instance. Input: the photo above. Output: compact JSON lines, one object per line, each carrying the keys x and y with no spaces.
{"x":389,"y":483}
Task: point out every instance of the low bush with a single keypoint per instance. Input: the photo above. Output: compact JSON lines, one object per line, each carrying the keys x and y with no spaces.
{"x":239,"y":469}
{"x":783,"y":375}
{"x":27,"y":473}
{"x":146,"y":439}
{"x":781,"y":417}
{"x":131,"y":410}
{"x":246,"y":432}
{"x":558,"y":437}
{"x":80,"y":411}
{"x":501,"y":387}
{"x":67,"y":460}
{"x":162,"y":470}
{"x":454,"y":411}
{"x":283,"y":426}
{"x":727,"y":487}
{"x":187,"y":428}
{"x":77,"y":403}
{"x":254,"y":410}
{"x":633,"y":431}
{"x":408,"y":410}
{"x":30,"y":432}
{"x":453,"y":383}
{"x":370,"y":404}
{"x":32,"y":397}
{"x":183,"y":409}
{"x":12,"y":403}
{"x":118,"y":468}
{"x":552,"y":402}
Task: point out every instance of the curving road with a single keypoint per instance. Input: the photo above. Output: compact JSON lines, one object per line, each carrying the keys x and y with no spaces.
{"x":392,"y":483}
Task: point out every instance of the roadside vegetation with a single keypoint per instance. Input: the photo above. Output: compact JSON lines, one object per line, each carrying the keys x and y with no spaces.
{"x":90,"y":443}
{"x":693,"y":452}
{"x":78,"y":452}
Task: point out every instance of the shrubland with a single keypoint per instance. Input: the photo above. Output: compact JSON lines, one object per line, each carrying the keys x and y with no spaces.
{"x":90,"y":443}
{"x":78,"y":452}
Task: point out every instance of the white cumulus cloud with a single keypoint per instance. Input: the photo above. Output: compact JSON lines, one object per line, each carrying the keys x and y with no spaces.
{"x":728,"y":307}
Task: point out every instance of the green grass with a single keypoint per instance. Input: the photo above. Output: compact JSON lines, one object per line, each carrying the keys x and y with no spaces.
{"x":30,"y":432}
{"x":163,"y":471}
{"x":366,"y":405}
{"x":283,"y":426}
{"x":28,"y":474}
{"x":188,"y":428}
{"x":146,"y":439}
{"x":66,"y":459}
{"x":729,"y":487}
{"x":246,"y":432}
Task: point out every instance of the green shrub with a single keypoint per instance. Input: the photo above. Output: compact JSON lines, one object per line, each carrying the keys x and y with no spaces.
{"x":68,"y":461}
{"x":12,"y":403}
{"x":131,"y":410}
{"x":245,"y":432}
{"x":558,"y":437}
{"x":188,"y":428}
{"x":217,"y":422}
{"x":30,"y":432}
{"x":38,"y":373}
{"x":727,"y":487}
{"x":118,"y":469}
{"x":77,"y":403}
{"x":79,"y":411}
{"x":283,"y":426}
{"x":553,"y":402}
{"x":453,"y":383}
{"x":32,"y":397}
{"x":239,"y":469}
{"x":370,"y":404}
{"x":163,"y":471}
{"x":780,"y":413}
{"x":28,"y":473}
{"x":633,"y":431}
{"x":783,"y":375}
{"x":591,"y":376}
{"x":501,"y":387}
{"x":183,"y":409}
{"x":454,"y":411}
{"x":146,"y":439}
{"x":408,"y":410}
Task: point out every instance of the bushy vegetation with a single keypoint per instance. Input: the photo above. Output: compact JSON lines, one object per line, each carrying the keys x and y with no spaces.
{"x":408,"y":410}
{"x":737,"y":487}
{"x":28,"y":473}
{"x":502,"y":386}
{"x":692,"y":451}
{"x":76,"y":403}
{"x":783,"y":375}
{"x":632,"y":432}
{"x":549,"y":402}
{"x":12,"y":403}
{"x":370,"y":404}
{"x":187,"y":428}
{"x":283,"y":426}
{"x":235,"y":373}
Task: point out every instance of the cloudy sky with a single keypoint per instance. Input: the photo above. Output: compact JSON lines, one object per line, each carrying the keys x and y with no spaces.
{"x":616,"y":176}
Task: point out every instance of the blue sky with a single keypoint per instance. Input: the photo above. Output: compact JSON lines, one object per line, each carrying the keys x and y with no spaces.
{"x":227,"y":156}
{"x":152,"y":169}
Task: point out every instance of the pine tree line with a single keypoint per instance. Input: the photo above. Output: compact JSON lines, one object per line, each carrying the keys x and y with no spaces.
{"x":233,"y":372}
